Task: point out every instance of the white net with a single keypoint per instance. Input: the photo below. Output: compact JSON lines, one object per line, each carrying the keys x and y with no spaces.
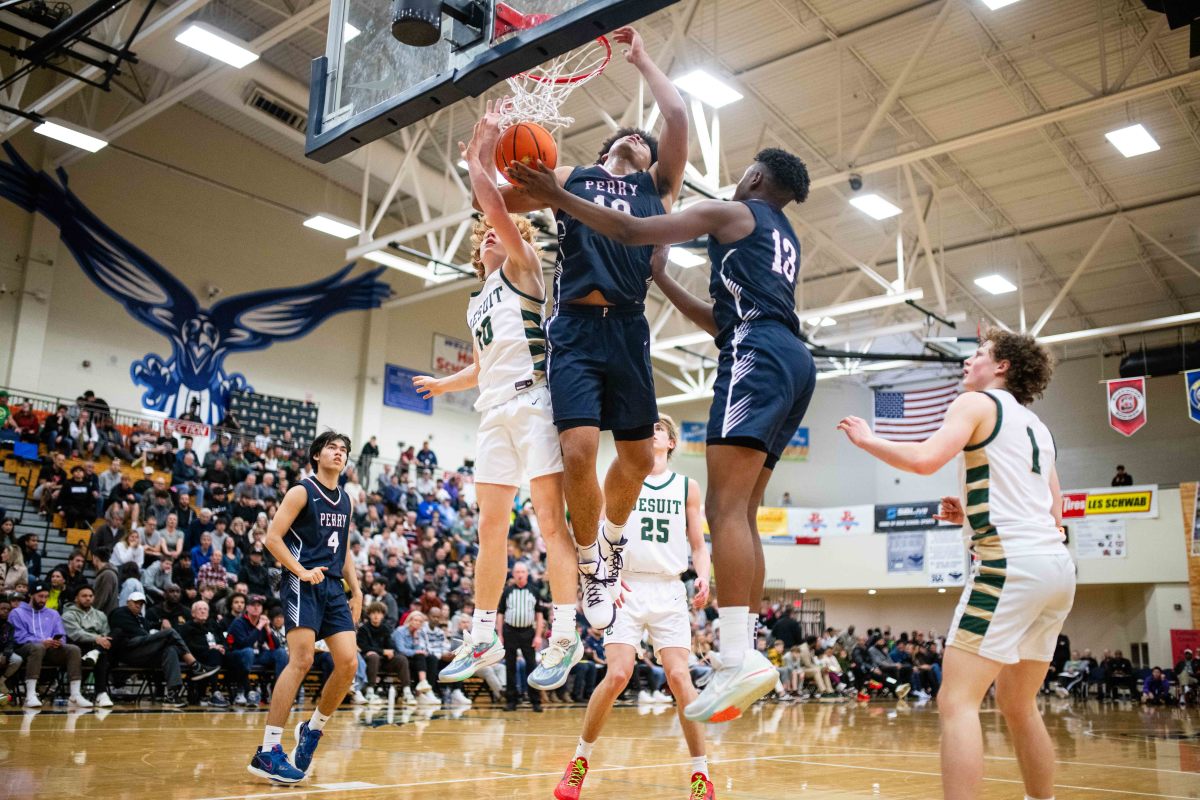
{"x":537,"y":95}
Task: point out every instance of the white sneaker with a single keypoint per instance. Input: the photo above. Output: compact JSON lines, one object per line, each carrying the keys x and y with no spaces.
{"x":427,"y":698}
{"x":240,"y":700}
{"x":373,"y":698}
{"x":902,"y":690}
{"x":457,"y":698}
{"x":32,"y":701}
{"x":610,"y":553}
{"x":408,"y":699}
{"x":91,"y":656}
{"x":79,"y":701}
{"x":921,"y":695}
{"x":103,"y":700}
{"x":357,"y":698}
{"x":423,"y":686}
{"x":598,"y":605}
{"x":1061,"y":691}
{"x":661,"y":697}
{"x":733,"y":689}
{"x":645,"y":698}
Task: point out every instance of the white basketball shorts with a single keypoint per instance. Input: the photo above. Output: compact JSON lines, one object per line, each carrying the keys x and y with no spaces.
{"x":655,"y":604}
{"x":517,"y":440}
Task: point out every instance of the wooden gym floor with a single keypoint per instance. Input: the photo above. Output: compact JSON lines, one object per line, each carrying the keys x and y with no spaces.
{"x":775,"y":751}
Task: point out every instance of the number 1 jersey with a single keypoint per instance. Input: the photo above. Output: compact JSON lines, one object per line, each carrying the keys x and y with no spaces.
{"x":318,"y":535}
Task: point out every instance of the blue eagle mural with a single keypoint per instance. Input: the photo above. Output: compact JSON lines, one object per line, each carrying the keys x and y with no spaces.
{"x":200,"y":338}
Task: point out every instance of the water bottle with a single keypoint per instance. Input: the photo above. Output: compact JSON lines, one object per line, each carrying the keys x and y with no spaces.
{"x":60,"y":701}
{"x":300,"y":697}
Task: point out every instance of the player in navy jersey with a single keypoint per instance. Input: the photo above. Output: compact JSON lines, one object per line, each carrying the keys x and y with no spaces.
{"x":598,"y":360}
{"x":308,"y":536}
{"x":765,"y":378}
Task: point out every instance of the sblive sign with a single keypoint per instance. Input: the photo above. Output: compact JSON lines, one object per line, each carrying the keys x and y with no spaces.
{"x":1132,"y":501}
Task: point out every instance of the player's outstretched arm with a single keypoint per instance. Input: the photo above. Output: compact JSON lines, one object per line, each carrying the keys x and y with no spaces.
{"x":968,"y":413}
{"x":673,"y":142}
{"x":521,"y":254}
{"x":699,"y":311}
{"x":701,"y":562}
{"x":430,"y":387}
{"x":293,"y":503}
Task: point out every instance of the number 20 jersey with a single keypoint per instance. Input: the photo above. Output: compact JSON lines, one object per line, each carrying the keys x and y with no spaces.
{"x":318,"y":535}
{"x":588,"y":261}
{"x":506,"y":326}
{"x":754,"y":279}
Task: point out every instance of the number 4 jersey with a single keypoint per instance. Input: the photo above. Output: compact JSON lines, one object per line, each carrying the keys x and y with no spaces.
{"x":657,"y":528}
{"x":318,"y":535}
{"x":506,"y":325}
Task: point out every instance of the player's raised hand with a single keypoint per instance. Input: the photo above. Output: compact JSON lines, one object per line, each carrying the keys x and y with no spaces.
{"x":428,"y":386}
{"x":635,"y":51}
{"x":856,"y":429}
{"x":313,"y":575}
{"x":538,"y":181}
{"x":951,"y":511}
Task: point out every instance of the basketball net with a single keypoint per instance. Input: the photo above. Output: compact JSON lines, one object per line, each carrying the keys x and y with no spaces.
{"x":538,"y":94}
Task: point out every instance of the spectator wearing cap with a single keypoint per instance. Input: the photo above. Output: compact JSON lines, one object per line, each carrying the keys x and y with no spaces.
{"x":107,"y":583}
{"x":172,"y":609}
{"x":76,"y":500}
{"x":144,"y":483}
{"x":1122,"y":478}
{"x":1187,"y":672}
{"x":254,"y":572}
{"x":139,"y":645}
{"x":217,"y":501}
{"x":10,"y":662}
{"x":252,"y":646}
{"x":426,"y":457}
{"x":41,"y":639}
{"x":87,"y":627}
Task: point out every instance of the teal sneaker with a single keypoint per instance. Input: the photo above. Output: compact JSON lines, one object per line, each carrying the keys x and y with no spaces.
{"x":469,"y":658}
{"x":557,"y":661}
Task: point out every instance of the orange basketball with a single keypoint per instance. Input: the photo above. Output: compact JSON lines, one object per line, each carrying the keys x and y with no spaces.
{"x":528,"y":143}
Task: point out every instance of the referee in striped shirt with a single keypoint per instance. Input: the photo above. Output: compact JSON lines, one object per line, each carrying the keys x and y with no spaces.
{"x":520,"y":619}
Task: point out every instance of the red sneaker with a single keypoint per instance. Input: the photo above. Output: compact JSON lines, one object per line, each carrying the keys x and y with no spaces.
{"x":572,"y":780}
{"x":702,"y":788}
{"x":863,"y":697}
{"x":874,"y":685}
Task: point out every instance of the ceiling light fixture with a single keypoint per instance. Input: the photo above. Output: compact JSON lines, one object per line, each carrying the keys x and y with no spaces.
{"x":409,"y":267}
{"x":994,"y":4}
{"x":870,"y":591}
{"x":995,"y":284}
{"x":865,"y":304}
{"x":217,"y":44}
{"x":71,"y":134}
{"x":1132,"y":141}
{"x":707,"y":89}
{"x":874,"y":206}
{"x":685,"y":258}
{"x":821,"y":322}
{"x":332,"y":226}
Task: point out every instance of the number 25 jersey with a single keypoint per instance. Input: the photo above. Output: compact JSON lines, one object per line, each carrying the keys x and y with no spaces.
{"x":318,"y":535}
{"x":754,"y":279}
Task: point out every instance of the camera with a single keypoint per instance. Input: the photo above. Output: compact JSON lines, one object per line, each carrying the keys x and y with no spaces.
{"x":855,"y":181}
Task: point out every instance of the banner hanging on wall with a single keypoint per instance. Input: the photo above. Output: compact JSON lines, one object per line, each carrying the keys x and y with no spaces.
{"x":1100,"y":538}
{"x":946,"y":557}
{"x":691,"y":435}
{"x":1130,"y":502}
{"x":399,"y":392}
{"x":906,"y":552}
{"x":449,"y":356}
{"x":1191,"y":384}
{"x":1189,"y":496}
{"x":809,"y":524}
{"x":906,"y":517}
{"x":1126,"y":405}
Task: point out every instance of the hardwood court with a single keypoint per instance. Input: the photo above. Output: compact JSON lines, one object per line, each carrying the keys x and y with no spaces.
{"x":806,"y":751}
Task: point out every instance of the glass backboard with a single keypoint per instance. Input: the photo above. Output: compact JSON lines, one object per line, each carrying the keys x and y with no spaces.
{"x":369,"y":85}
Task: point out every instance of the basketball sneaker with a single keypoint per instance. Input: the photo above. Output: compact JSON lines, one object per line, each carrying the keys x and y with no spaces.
{"x":306,"y":746}
{"x":469,"y":658}
{"x":557,"y":661}
{"x":572,"y":780}
{"x":702,"y":788}
{"x":598,"y":604}
{"x":733,"y":689}
{"x":610,"y":553}
{"x":274,"y":766}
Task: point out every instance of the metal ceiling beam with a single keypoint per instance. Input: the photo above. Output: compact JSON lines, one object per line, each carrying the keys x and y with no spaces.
{"x":1083,"y":265}
{"x":411,"y":232}
{"x":1177,"y":321}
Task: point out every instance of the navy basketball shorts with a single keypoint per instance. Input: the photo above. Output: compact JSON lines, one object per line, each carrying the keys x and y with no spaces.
{"x":598,"y":369}
{"x":322,"y":606}
{"x":765,"y":380}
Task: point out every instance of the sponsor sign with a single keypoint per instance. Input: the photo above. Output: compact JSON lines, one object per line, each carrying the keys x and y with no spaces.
{"x":183,"y":427}
{"x":1100,"y":538}
{"x":1191,"y":383}
{"x":906,"y":551}
{"x":449,"y":356}
{"x":946,"y":557}
{"x":1131,"y":502}
{"x":907,"y":517}
{"x":1126,"y":405}
{"x":808,"y":525}
{"x":399,"y":392}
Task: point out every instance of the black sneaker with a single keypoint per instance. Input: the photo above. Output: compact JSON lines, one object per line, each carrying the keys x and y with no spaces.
{"x":174,"y":699}
{"x":198,"y":671}
{"x":511,"y":705}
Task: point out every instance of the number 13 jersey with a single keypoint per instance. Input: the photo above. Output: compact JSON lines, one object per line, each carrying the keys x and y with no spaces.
{"x":318,"y":535}
{"x":657,"y":528}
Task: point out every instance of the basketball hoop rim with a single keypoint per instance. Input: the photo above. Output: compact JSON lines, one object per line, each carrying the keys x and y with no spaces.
{"x":513,"y":20}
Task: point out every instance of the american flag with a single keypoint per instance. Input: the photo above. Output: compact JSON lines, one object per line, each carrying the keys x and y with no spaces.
{"x":912,"y":416}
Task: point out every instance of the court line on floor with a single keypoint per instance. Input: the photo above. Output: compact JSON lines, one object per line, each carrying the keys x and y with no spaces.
{"x":792,"y":760}
{"x":449,"y":781}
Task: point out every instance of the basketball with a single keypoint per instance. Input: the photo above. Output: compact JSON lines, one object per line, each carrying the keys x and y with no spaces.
{"x":528,"y":143}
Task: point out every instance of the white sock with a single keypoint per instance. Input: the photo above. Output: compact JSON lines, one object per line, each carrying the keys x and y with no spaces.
{"x":734,"y":634}
{"x":614,"y":532}
{"x":700,"y":764}
{"x":752,"y":630}
{"x":588,"y":553}
{"x":563,"y":626}
{"x":483,"y":625}
{"x":75,"y":688}
{"x":272,"y":735}
{"x":584,"y":749}
{"x":317,"y":723}
{"x":31,"y":687}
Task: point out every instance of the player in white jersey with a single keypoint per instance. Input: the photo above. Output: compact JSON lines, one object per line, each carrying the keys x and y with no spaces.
{"x":665,"y":527}
{"x":517,"y":438}
{"x":1023,"y":582}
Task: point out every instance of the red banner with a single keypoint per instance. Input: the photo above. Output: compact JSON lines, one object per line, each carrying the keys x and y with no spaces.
{"x":1183,"y":639}
{"x":1126,"y":405}
{"x":186,"y":428}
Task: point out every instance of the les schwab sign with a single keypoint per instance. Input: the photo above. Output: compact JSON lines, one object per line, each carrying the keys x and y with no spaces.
{"x":1130,"y":502}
